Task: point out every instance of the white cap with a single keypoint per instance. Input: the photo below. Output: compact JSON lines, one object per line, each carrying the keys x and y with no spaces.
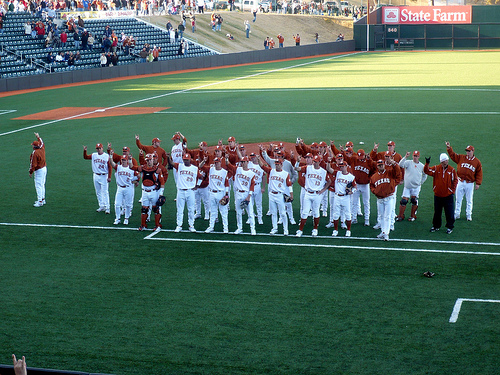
{"x":443,"y":157}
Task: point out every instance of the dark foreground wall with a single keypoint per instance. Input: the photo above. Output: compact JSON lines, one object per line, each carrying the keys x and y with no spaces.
{"x":75,"y":76}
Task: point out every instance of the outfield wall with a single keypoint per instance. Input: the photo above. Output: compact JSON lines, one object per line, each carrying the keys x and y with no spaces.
{"x":77,"y":76}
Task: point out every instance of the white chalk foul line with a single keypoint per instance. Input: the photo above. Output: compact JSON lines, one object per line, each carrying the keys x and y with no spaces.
{"x":6,"y":111}
{"x":205,"y":239}
{"x":458,"y":306}
{"x":182,"y":91}
{"x":326,"y":113}
{"x":344,"y":89}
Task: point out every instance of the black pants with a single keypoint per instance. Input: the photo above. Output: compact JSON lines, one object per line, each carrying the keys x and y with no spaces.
{"x":446,"y":203}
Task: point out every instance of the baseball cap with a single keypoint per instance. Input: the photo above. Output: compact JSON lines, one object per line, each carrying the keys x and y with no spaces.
{"x":342,"y":164}
{"x":349,"y":149}
{"x":281,"y":144}
{"x":99,"y":145}
{"x":242,"y":146}
{"x":124,"y":157}
{"x":349,"y":144}
{"x":317,"y":158}
{"x":278,"y":161}
{"x":231,"y":139}
{"x":156,"y":140}
{"x":218,"y":148}
{"x":322,"y":144}
{"x":340,"y":156}
{"x":416,"y":153}
{"x":308,"y":155}
{"x":126,"y":149}
{"x":149,"y":157}
{"x":387,"y":154}
{"x":35,"y":143}
{"x":252,"y":154}
{"x":469,"y":148}
{"x":361,"y":153}
{"x":216,"y":160}
{"x":245,"y":158}
{"x":380,"y":161}
{"x":391,"y":143}
{"x":203,"y":144}
{"x":314,"y":144}
{"x":186,"y":156}
{"x":176,"y":136}
{"x":443,"y":157}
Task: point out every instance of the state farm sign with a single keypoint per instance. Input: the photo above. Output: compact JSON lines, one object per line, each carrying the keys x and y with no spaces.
{"x":420,"y":15}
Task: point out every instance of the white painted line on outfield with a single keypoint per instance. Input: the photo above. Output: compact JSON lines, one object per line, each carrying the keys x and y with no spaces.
{"x":458,"y":306}
{"x":394,"y":240}
{"x":185,"y":90}
{"x":205,"y":240}
{"x":341,"y":89}
{"x":326,"y":113}
{"x":6,"y":111}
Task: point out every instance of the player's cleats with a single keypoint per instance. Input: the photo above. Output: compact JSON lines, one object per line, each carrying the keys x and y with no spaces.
{"x":238,"y":231}
{"x":273,"y":231}
{"x":380,"y":235}
{"x":100,"y":209}
{"x":348,"y":233}
{"x":44,"y":202}
{"x":158,"y":228}
{"x":292,"y":221}
{"x":448,"y":231}
{"x":209,"y":230}
{"x":253,"y":232}
{"x":141,"y":228}
{"x":298,"y":233}
{"x":367,"y":223}
{"x":116,"y":222}
{"x":192,"y":230}
{"x":376,"y":226}
{"x":38,"y":204}
{"x":259,"y":220}
{"x":354,"y":221}
{"x":226,"y":230}
{"x":314,"y":232}
{"x":432,"y":230}
{"x":325,"y":214}
{"x":386,"y":237}
{"x":125,"y":222}
{"x":329,"y":225}
{"x":335,"y":233}
{"x":108,"y":212}
{"x":177,"y":229}
{"x":285,"y":233}
{"x":469,"y":218}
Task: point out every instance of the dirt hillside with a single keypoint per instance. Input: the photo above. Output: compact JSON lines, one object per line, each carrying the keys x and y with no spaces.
{"x":270,"y":25}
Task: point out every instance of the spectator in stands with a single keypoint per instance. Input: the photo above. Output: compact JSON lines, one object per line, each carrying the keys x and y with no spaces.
{"x":219,"y":20}
{"x":114,"y":59}
{"x":51,"y":14}
{"x":193,"y":22}
{"x":108,"y":31}
{"x":48,"y":39}
{"x":90,"y":42}
{"x":50,"y":58}
{"x":106,"y":44}
{"x":85,"y":39}
{"x":281,"y":40}
{"x":60,"y":57}
{"x":64,"y":38}
{"x":247,"y":28}
{"x":40,"y":30}
{"x":201,"y":6}
{"x":316,"y":37}
{"x":27,"y":27}
{"x":126,"y":45}
{"x":103,"y":60}
{"x":172,"y":36}
{"x":114,"y":44}
{"x":132,"y":43}
{"x":77,"y":56}
{"x":143,"y":55}
{"x":76,"y":39}
{"x":56,"y":40}
{"x":156,"y":53}
{"x":1,"y":25}
{"x":271,"y":43}
{"x":266,"y":43}
{"x":180,"y":30}
{"x":168,"y":26}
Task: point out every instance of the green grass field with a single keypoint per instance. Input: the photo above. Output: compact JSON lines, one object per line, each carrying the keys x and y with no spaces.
{"x":81,"y":294}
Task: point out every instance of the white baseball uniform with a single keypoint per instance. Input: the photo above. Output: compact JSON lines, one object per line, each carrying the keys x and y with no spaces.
{"x":176,"y":155}
{"x":257,"y":195}
{"x":218,"y":186}
{"x":414,"y":177}
{"x":187,"y":180}
{"x":124,"y":177}
{"x":244,"y":183}
{"x":279,"y":183}
{"x":315,"y":180}
{"x":342,"y":200}
{"x":101,"y":170}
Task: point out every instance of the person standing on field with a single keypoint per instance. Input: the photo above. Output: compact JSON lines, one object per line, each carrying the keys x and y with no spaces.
{"x":414,"y":179}
{"x":469,"y":171}
{"x":102,"y":175}
{"x":444,"y":186}
{"x":38,"y":167}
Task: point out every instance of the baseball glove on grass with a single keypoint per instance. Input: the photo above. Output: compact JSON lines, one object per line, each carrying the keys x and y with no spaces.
{"x":224,"y":200}
{"x":428,"y":274}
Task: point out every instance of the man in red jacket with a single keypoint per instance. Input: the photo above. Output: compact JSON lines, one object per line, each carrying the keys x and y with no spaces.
{"x":445,"y":182}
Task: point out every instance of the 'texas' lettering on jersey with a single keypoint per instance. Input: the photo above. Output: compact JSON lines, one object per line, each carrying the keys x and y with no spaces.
{"x":217,"y":177}
{"x":382,"y":181}
{"x":342,"y":180}
{"x":243,"y":177}
{"x":316,"y":176}
{"x":468,"y":166}
{"x":362,"y":169}
{"x":125,"y":173}
{"x":100,"y":161}
{"x":277,"y":178}
{"x":256,"y":171}
{"x":189,"y":173}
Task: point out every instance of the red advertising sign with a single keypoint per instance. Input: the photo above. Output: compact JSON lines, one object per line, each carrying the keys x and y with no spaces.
{"x":419,"y":15}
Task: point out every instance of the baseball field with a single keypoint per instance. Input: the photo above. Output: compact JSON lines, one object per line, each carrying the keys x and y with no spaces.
{"x":79,"y":293}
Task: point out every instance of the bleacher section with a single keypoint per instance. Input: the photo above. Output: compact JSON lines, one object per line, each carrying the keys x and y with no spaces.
{"x":22,"y":55}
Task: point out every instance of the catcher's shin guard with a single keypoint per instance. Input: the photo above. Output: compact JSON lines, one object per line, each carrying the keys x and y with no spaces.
{"x":401,"y":215}
{"x":414,"y":211}
{"x":158,"y":220}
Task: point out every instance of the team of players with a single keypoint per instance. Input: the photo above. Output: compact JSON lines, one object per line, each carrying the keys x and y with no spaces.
{"x":325,"y":174}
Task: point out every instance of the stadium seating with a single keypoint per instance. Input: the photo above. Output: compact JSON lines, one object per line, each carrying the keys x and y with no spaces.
{"x":23,"y":55}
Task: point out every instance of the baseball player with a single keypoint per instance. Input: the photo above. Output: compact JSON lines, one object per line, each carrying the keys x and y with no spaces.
{"x":231,"y":150}
{"x":125,"y":178}
{"x":469,"y":171}
{"x":363,"y":168}
{"x":244,"y":186}
{"x":188,"y":178}
{"x":345,"y":183}
{"x":201,"y":194}
{"x":316,"y":182}
{"x":302,"y":177}
{"x":279,"y":185}
{"x":383,"y":185}
{"x":102,"y":175}
{"x":218,"y":187}
{"x":177,"y":152}
{"x":155,"y":147}
{"x":153,"y":185}
{"x":255,"y":167}
{"x":38,"y":166}
{"x":117,"y":159}
{"x":414,"y":179}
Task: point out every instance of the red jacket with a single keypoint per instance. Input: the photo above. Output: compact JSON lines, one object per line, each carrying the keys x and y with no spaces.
{"x":445,"y":180}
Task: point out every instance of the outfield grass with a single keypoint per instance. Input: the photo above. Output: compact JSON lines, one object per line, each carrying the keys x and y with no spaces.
{"x":106,"y":300}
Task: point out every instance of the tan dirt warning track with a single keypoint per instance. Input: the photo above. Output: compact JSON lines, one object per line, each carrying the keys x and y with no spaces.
{"x":73,"y":113}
